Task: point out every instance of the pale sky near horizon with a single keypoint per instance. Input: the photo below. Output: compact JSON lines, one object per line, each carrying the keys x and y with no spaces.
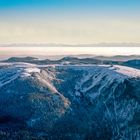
{"x":50,"y":51}
{"x":69,"y":21}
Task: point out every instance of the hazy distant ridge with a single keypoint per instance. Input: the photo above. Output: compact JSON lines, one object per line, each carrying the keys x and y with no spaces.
{"x":71,"y":45}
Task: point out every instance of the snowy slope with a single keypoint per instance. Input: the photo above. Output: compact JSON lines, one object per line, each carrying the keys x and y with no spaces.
{"x":79,"y":101}
{"x":10,"y":72}
{"x":104,"y":74}
{"x":130,"y":72}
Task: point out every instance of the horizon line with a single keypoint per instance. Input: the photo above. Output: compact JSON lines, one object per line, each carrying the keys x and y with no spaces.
{"x":103,"y":44}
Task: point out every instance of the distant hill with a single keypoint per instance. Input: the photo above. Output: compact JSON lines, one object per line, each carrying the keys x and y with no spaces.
{"x":64,"y":60}
{"x":33,"y":60}
{"x":118,"y":57}
{"x":133,"y":63}
{"x":21,"y":59}
{"x":69,"y":60}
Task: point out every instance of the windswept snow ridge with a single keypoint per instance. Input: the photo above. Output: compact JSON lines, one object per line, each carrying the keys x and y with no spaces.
{"x":9,"y":72}
{"x":130,"y":72}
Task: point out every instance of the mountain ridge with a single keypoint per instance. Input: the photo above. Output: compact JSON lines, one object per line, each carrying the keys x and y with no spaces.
{"x":76,"y":102}
{"x":70,"y":60}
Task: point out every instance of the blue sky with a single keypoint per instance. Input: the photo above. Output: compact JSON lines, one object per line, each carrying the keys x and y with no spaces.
{"x":69,"y":21}
{"x":85,"y":8}
{"x":61,"y":3}
{"x":71,"y":4}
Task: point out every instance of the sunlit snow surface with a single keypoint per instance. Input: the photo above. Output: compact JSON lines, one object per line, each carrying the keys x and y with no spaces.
{"x":131,"y":72}
{"x":11,"y":71}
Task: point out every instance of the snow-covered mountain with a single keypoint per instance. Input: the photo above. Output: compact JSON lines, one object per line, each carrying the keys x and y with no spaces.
{"x":85,"y":102}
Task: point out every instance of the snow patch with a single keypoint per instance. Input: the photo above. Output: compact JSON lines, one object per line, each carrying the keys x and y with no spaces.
{"x":130,"y":72}
{"x":28,"y":71}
